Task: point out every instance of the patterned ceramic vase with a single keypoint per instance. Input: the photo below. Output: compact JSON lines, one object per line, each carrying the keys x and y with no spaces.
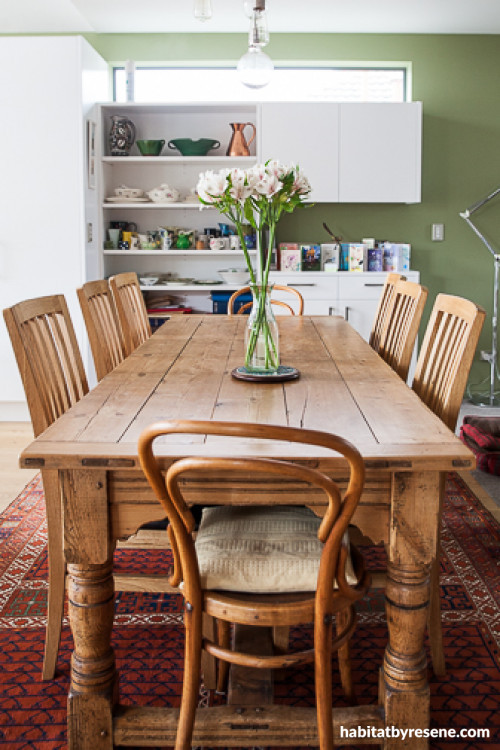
{"x":121,"y":135}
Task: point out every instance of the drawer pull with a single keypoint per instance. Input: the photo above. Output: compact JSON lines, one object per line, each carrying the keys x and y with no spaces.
{"x":346,"y":313}
{"x":298,"y":283}
{"x":372,"y":284}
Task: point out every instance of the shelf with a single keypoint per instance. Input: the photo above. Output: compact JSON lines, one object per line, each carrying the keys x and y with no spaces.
{"x":232,"y":253}
{"x":189,"y":287}
{"x":152,"y":204}
{"x":178,"y":159}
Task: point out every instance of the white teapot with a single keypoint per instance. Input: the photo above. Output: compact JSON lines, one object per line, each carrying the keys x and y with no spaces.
{"x":163,"y":194}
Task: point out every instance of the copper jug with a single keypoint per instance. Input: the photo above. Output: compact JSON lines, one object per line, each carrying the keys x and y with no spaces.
{"x":238,"y":146}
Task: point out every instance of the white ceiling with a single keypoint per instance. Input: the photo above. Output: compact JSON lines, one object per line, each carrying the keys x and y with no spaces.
{"x":163,"y":16}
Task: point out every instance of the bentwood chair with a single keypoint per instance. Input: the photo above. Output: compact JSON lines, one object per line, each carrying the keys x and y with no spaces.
{"x":383,"y":307}
{"x":131,"y":309}
{"x":271,"y":566}
{"x":441,"y":375}
{"x":102,"y":324}
{"x":54,"y":379}
{"x":402,"y":322}
{"x":279,"y":303}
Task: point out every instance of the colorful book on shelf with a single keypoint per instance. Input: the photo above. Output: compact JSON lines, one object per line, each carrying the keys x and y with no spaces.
{"x":311,"y":257}
{"x":289,"y":256}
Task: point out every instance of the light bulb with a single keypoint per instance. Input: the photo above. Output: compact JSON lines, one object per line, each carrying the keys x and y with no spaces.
{"x":202,"y":9}
{"x":259,"y":33}
{"x":248,"y":6}
{"x":255,"y":68}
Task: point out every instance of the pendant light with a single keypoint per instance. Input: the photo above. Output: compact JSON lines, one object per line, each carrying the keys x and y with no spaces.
{"x":255,"y":68}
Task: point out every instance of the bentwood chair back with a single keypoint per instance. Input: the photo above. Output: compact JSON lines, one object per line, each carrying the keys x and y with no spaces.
{"x":227,"y":570}
{"x":53,"y":377}
{"x":278,"y":303}
{"x":131,"y":309}
{"x":402,"y":322}
{"x":103,"y":327}
{"x":441,"y":374}
{"x":383,"y":307}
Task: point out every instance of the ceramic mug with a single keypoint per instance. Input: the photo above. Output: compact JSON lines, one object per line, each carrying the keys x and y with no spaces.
{"x":234,"y":242}
{"x":219,"y":243}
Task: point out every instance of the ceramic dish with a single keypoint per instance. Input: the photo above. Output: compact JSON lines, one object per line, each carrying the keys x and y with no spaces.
{"x":208,"y":282}
{"x":149,"y":280}
{"x":194,"y":146}
{"x":121,"y":199}
{"x":237,"y":276}
{"x":183,"y":282}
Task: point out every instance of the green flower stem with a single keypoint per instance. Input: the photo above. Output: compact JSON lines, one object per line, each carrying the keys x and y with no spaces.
{"x":260,"y":328}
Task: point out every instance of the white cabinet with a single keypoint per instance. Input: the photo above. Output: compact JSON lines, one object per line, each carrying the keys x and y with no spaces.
{"x":380,"y":153}
{"x":354,"y":296}
{"x":305,"y":134}
{"x":352,"y":152}
{"x":48,"y":86}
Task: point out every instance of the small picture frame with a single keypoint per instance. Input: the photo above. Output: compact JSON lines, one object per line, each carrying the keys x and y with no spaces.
{"x":91,"y":158}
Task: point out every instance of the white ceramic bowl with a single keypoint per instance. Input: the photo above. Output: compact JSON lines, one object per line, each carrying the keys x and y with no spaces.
{"x":235,"y":276}
{"x":148,"y":280}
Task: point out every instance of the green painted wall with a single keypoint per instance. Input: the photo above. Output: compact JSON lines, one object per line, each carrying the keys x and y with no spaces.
{"x":456,"y":78}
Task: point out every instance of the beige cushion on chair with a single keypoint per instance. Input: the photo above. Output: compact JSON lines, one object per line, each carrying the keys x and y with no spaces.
{"x":271,"y":549}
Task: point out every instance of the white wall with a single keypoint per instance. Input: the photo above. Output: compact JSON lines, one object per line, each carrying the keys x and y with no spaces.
{"x":48,"y":85}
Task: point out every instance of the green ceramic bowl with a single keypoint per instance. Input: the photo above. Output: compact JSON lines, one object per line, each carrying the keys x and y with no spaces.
{"x":192,"y":147}
{"x":150,"y":148}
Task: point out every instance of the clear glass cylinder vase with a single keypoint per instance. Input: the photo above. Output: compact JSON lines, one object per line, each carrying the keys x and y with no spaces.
{"x":261,"y":334}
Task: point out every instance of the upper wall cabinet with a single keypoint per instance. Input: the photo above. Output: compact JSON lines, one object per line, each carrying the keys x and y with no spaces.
{"x":308,"y":135}
{"x":351,"y":153}
{"x":380,"y":153}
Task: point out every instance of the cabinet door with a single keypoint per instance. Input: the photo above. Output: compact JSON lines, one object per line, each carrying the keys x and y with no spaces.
{"x":305,"y":134}
{"x":359,"y":313}
{"x":380,"y":153}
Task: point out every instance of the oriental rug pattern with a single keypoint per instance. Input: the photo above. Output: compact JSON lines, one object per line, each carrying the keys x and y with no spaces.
{"x":148,"y":635}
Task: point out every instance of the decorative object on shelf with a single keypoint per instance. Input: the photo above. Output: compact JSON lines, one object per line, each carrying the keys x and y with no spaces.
{"x":114,"y":236}
{"x":151,"y":147}
{"x":149,"y":279}
{"x":257,"y":196}
{"x":202,"y":9}
{"x":185,"y":240}
{"x":234,"y":276}
{"x":238,"y":145}
{"x":121,"y":135}
{"x":163,"y":194}
{"x":194,"y":147}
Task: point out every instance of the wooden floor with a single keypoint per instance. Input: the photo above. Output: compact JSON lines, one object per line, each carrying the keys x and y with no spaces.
{"x":14,"y":436}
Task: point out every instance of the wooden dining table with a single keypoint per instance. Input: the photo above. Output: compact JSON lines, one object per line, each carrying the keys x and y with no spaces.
{"x":184,"y":372}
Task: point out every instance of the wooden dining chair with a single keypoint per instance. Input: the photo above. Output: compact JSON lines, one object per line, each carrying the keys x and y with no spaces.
{"x":102,"y":324}
{"x":271,"y":566}
{"x":402,"y":321}
{"x":131,"y":309}
{"x":383,"y":307}
{"x":277,"y":302}
{"x":54,"y":379}
{"x":441,"y":375}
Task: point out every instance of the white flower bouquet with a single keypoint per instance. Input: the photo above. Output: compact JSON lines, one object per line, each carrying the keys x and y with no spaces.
{"x":257,"y":196}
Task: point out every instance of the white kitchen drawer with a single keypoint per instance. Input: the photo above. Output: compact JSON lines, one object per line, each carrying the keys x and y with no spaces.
{"x":311,"y":285}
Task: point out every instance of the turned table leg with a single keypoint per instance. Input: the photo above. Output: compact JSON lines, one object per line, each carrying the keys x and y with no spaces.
{"x":88,"y":550}
{"x":94,"y":684}
{"x":412,"y":549}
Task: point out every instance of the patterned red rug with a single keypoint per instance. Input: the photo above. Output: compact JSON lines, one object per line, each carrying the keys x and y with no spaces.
{"x":148,"y":632}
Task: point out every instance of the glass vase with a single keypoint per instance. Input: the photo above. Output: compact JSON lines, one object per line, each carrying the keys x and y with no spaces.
{"x":261,"y":334}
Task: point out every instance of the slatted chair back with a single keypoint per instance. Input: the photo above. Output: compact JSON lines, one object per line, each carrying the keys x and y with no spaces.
{"x":103,"y":327}
{"x":48,"y":357}
{"x":446,"y":355}
{"x":383,"y":307}
{"x":131,"y":309}
{"x":210,"y":586}
{"x":401,"y":326}
{"x":278,"y":303}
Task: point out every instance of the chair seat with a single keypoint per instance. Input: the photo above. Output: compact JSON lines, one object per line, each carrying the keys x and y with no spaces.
{"x":267,"y":549}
